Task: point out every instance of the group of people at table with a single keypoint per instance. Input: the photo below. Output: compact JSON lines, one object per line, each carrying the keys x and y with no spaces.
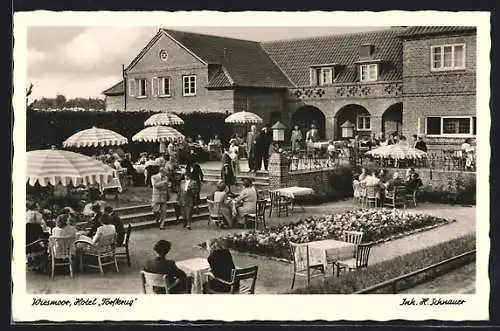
{"x":42,"y":225}
{"x":382,"y":184}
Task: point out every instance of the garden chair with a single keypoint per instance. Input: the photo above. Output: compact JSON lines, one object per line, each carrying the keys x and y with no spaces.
{"x":103,"y":252}
{"x":215,"y":213}
{"x":280,"y":203}
{"x":301,"y":263}
{"x":155,"y":283}
{"x":411,"y":196}
{"x":353,"y":237}
{"x":122,"y":249}
{"x":36,"y":255}
{"x":395,"y":197}
{"x":359,"y":261}
{"x":264,"y":195}
{"x":236,"y":285}
{"x":259,"y":218}
{"x":371,"y":196}
{"x":61,"y":250}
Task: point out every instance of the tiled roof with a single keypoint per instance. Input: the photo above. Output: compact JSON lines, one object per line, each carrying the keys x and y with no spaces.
{"x":219,"y":80}
{"x":117,"y":89}
{"x":245,"y":62}
{"x":430,"y":30}
{"x":296,"y":56}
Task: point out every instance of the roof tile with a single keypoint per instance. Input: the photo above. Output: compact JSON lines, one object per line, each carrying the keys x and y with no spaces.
{"x":117,"y":89}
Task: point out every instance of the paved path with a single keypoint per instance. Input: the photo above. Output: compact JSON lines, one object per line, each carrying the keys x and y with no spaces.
{"x":274,"y":277}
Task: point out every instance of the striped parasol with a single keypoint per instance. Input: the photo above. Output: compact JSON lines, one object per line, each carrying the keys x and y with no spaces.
{"x":397,"y":151}
{"x":52,"y":166}
{"x":164,"y":119}
{"x":95,"y":137}
{"x":243,"y":117}
{"x":158,"y":134}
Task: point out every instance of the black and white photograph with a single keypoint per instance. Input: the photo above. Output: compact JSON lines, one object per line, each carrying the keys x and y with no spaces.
{"x":231,"y":153}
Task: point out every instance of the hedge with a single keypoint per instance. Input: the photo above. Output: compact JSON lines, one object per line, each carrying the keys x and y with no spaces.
{"x":44,"y":128}
{"x":383,"y":271}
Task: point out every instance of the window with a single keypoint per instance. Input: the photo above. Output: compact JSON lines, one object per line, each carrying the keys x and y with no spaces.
{"x":451,"y":125}
{"x":164,"y":87}
{"x":141,"y":88}
{"x":368,"y":72}
{"x":189,"y":85}
{"x":363,"y":122}
{"x":321,"y":76}
{"x":448,"y":57}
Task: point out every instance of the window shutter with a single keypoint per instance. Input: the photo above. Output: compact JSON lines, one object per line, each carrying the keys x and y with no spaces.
{"x":131,"y":87}
{"x":154,"y":86}
{"x":312,"y":76}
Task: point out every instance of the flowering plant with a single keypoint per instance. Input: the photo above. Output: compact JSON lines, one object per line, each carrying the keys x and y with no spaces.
{"x":376,"y":224}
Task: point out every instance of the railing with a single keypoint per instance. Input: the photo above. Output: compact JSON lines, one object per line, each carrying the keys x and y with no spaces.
{"x":314,"y":160}
{"x":461,"y":259}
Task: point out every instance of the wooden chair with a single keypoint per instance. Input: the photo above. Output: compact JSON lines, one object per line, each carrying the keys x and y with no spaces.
{"x":264,"y":195}
{"x":280,"y":203}
{"x":301,"y":264}
{"x":411,"y":196}
{"x":359,"y":261}
{"x":155,"y":283}
{"x":122,"y":249}
{"x":371,"y":196}
{"x":61,"y":250}
{"x":36,"y":255}
{"x":236,"y":284}
{"x":259,"y":218}
{"x":214,"y":213}
{"x":102,"y":251}
{"x":353,"y":237}
{"x":395,"y":197}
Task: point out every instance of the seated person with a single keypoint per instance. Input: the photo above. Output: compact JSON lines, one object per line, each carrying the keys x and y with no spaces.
{"x":372,"y":181}
{"x":48,"y":218}
{"x":96,"y":221}
{"x":246,"y":202}
{"x":216,"y":141}
{"x":117,"y":222}
{"x":62,"y":228}
{"x":143,"y":158}
{"x":200,"y":141}
{"x":36,"y":254}
{"x":221,"y":265}
{"x":160,"y":161}
{"x":382,"y":175}
{"x":106,"y":229}
{"x":409,"y":173}
{"x":395,"y":181}
{"x":34,"y":216}
{"x":177,"y":279}
{"x":414,"y":183}
{"x":220,"y":196}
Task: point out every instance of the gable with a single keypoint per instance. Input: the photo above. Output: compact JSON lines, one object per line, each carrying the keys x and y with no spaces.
{"x":177,"y":56}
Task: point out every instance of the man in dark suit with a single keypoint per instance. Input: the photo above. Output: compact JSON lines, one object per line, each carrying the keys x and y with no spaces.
{"x":251,"y":135}
{"x":177,"y":279}
{"x":186,"y":198}
{"x":197,"y":175}
{"x":262,"y":142}
{"x":268,"y":140}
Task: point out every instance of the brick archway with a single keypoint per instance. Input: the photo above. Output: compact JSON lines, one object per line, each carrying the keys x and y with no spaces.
{"x":306,"y":115}
{"x":357,"y":115}
{"x":392,"y":119}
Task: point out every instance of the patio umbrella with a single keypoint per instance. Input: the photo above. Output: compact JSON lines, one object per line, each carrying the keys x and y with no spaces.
{"x":164,"y":119}
{"x":95,"y":137}
{"x":158,"y":134}
{"x":243,"y":117}
{"x":397,"y":152}
{"x":53,"y":166}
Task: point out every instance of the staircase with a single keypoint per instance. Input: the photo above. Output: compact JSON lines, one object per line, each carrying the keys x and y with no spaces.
{"x":260,"y":180}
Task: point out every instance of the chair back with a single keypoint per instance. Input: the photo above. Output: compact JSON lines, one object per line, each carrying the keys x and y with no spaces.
{"x":61,"y":247}
{"x":275,"y":196}
{"x":261,"y":208}
{"x":126,"y":239}
{"x":299,"y":256}
{"x":243,"y":274}
{"x":353,"y":237}
{"x":152,"y":282}
{"x":263,"y":194}
{"x":106,"y":244}
{"x":362,"y":255}
{"x":371,"y":191}
{"x":214,"y":209}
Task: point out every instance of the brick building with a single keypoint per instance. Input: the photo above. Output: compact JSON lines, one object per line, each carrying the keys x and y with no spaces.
{"x":382,"y":81}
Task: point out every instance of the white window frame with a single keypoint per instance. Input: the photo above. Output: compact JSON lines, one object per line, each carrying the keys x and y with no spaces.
{"x":138,"y":94}
{"x":453,"y":66}
{"x":369,"y":67}
{"x":188,"y":78}
{"x":462,"y":135}
{"x":360,"y":118}
{"x":322,"y":80}
{"x":161,"y":87}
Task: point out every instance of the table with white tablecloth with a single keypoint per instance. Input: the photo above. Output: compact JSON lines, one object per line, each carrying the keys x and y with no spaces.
{"x":295,"y":191}
{"x":139,"y":168}
{"x":196,"y":268}
{"x":328,"y":251}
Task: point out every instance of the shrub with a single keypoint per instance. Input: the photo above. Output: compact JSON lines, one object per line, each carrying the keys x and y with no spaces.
{"x":340,"y":182}
{"x":458,"y":190}
{"x":377,"y":273}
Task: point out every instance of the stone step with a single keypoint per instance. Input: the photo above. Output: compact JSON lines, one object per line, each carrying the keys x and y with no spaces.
{"x":169,"y":220}
{"x":259,"y":174}
{"x":148,"y":215}
{"x":123,"y":211}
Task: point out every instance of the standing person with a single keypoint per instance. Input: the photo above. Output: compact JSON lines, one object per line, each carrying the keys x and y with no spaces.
{"x":186,"y":198}
{"x":259,"y":150}
{"x":233,"y":153}
{"x":117,"y":222}
{"x":227,"y":172}
{"x":251,"y":135}
{"x":296,"y":139}
{"x":267,"y":141}
{"x":197,"y":175}
{"x":159,"y":196}
{"x":420,"y":144}
{"x":173,"y":152}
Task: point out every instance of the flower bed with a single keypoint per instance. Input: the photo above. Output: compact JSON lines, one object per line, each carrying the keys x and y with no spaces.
{"x":377,"y":224}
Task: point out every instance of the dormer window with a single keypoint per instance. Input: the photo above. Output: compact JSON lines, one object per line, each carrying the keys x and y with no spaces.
{"x":322,"y":75}
{"x":368,"y":72}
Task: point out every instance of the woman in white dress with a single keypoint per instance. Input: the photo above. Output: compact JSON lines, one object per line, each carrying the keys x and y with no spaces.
{"x":233,"y":153}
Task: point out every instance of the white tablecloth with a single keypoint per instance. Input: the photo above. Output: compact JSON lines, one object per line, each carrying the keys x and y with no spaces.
{"x":320,"y":144}
{"x":139,"y":168}
{"x":328,"y":251}
{"x":294,"y":191}
{"x":196,"y":268}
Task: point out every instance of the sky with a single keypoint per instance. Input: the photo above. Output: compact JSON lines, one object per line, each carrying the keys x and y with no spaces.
{"x":84,"y":61}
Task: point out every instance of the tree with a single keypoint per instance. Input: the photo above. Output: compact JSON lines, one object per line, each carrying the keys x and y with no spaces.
{"x":29,"y":90}
{"x":60,"y":101}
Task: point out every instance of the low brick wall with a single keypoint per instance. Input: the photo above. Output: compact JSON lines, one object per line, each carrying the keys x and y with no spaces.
{"x":439,"y":179}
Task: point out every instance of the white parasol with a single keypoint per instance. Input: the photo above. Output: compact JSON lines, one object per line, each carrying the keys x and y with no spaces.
{"x":243,"y":117}
{"x":164,"y":119}
{"x":95,"y":137}
{"x":158,"y":134}
{"x":397,"y":151}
